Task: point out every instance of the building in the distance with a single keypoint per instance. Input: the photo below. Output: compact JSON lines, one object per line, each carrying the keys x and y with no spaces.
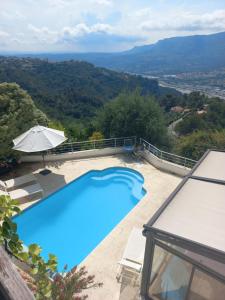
{"x":177,"y":109}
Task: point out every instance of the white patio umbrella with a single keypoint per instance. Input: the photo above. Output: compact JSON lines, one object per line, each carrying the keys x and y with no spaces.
{"x":39,"y":139}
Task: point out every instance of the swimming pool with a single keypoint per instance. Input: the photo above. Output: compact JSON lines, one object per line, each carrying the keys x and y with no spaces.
{"x":71,"y":222}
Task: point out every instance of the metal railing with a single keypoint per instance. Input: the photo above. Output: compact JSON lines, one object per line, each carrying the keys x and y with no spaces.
{"x":96,"y":144}
{"x":122,"y":142}
{"x":173,"y":158}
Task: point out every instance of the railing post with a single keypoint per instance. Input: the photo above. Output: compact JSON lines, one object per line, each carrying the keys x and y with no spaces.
{"x":71,"y":146}
{"x":94,"y":144}
{"x":115,"y":142}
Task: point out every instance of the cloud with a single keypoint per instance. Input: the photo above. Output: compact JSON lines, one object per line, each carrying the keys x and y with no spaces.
{"x":83,"y":29}
{"x":97,"y":37}
{"x":14,"y":15}
{"x":4,"y":34}
{"x":16,"y":41}
{"x":101,"y":42}
{"x":67,"y":33}
{"x":43,"y":34}
{"x":214,"y":21}
{"x":61,"y":25}
{"x":103,"y":2}
{"x":144,"y":12}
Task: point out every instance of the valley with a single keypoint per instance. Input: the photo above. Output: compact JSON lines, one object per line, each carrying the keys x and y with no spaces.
{"x":211,"y":83}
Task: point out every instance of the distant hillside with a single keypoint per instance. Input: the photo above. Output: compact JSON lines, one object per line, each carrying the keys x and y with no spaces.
{"x":70,"y":89}
{"x":168,"y":56}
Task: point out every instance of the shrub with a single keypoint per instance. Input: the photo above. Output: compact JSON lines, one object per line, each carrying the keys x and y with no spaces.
{"x":195,"y":144}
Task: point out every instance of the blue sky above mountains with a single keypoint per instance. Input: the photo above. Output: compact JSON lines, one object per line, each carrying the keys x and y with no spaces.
{"x":102,"y":25}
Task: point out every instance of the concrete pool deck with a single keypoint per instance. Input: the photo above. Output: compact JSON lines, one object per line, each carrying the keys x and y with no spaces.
{"x":103,"y":261}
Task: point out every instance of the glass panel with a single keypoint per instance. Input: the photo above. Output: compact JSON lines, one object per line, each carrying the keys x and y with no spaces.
{"x":208,"y":262}
{"x":205,"y":287}
{"x":170,"y":276}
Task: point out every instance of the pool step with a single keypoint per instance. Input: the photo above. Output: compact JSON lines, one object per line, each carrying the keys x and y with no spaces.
{"x":122,"y":177}
{"x":131,"y":173}
{"x":116,"y":178}
{"x":104,"y":176}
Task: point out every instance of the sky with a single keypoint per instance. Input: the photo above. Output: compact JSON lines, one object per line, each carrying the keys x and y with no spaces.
{"x":102,"y":25}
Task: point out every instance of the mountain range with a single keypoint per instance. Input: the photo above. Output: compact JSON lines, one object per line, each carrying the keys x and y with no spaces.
{"x":197,"y":53}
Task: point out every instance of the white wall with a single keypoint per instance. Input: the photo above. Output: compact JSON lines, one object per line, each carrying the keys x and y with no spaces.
{"x":165,"y":165}
{"x":73,"y":155}
{"x":152,"y":159}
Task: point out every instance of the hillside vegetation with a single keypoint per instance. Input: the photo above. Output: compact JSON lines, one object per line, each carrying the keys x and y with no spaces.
{"x":71,"y":89}
{"x":93,"y":103}
{"x":202,"y":128}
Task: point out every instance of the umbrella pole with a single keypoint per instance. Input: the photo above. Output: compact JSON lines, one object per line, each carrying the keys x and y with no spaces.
{"x":44,"y":171}
{"x":43,"y":160}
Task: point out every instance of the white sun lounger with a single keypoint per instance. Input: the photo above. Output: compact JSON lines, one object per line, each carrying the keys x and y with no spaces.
{"x":133,"y":255}
{"x":24,"y":192}
{"x":18,"y":181}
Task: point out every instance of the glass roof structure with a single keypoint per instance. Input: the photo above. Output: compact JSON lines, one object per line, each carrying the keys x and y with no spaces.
{"x":185,"y":239}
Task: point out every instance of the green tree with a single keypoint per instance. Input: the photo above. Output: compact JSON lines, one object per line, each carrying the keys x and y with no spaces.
{"x":215,"y":116}
{"x":195,"y":100}
{"x":191,"y":123}
{"x":96,"y":135}
{"x":168,"y":101}
{"x":132,"y":114}
{"x":55,"y":124}
{"x":195,"y":144}
{"x":17,"y":114}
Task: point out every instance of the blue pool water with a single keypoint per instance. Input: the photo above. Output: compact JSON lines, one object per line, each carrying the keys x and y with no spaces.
{"x":71,"y":222}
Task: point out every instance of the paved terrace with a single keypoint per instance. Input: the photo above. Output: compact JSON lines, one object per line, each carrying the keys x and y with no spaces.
{"x":103,"y":261}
